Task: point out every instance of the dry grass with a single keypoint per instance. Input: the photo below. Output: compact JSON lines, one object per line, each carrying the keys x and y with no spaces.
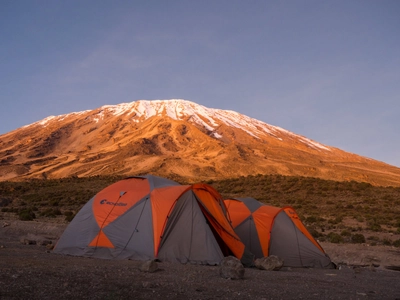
{"x":338,"y":212}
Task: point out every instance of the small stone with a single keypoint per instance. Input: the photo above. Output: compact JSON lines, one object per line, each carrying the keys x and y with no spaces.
{"x":45,"y":242}
{"x":26,"y":241}
{"x":231,"y":268}
{"x":149,"y":266}
{"x":269,"y":263}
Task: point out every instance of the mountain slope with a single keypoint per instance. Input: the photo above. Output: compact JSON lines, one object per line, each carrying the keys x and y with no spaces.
{"x":174,"y":138}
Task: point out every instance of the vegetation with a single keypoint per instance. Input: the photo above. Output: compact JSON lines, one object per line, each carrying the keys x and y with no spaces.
{"x":338,"y":212}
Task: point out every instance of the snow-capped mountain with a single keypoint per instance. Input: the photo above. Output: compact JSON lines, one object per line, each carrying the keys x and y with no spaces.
{"x":174,"y":137}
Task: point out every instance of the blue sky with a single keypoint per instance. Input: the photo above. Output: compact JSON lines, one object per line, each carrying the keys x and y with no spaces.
{"x":328,"y":70}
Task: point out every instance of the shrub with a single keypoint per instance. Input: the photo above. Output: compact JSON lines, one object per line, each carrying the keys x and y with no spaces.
{"x":358,"y":238}
{"x":334,"y":238}
{"x":374,"y":226}
{"x":69,"y":215}
{"x":396,"y":243}
{"x":26,"y":215}
{"x":337,"y":220}
{"x":314,"y":232}
{"x":311,"y":219}
{"x":359,"y":218}
{"x":345,"y":233}
{"x":48,"y":213}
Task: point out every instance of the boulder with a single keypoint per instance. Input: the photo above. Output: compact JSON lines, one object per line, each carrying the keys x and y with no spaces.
{"x":231,"y":268}
{"x":269,"y":263}
{"x":149,"y":266}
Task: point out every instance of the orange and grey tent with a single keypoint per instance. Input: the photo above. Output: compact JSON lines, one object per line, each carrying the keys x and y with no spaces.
{"x":153,"y":218}
{"x":268,"y":230}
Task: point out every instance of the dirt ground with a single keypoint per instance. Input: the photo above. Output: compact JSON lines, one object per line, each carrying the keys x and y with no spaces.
{"x":34,"y":272}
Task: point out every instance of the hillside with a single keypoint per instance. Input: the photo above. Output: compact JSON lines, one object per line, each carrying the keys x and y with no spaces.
{"x":175,"y":138}
{"x":333,"y":211}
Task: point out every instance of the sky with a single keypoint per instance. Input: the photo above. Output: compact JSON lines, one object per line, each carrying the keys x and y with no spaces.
{"x":327,"y":70}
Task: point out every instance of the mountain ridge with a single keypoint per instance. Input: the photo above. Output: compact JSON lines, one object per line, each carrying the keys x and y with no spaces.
{"x":174,"y":137}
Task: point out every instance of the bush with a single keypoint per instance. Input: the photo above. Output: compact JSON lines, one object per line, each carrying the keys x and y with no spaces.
{"x":345,"y":233}
{"x":396,"y":243}
{"x":314,"y":232}
{"x":358,"y":238}
{"x":386,"y":242}
{"x":311,"y":219}
{"x":69,"y":215}
{"x":359,"y":219}
{"x":334,"y":238}
{"x":374,"y":227}
{"x":50,"y":213}
{"x":26,"y":215}
{"x":337,"y":220}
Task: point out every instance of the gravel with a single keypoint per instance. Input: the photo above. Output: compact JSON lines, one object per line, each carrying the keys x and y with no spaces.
{"x":29,"y":271}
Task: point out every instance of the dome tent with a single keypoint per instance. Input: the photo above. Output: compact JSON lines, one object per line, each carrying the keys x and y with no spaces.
{"x":268,"y":230}
{"x":150,"y":217}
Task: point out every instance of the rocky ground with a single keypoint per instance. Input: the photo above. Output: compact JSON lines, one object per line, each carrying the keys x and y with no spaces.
{"x":32,"y":271}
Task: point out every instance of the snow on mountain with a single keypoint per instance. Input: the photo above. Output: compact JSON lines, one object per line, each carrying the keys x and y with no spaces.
{"x":178,"y":137}
{"x":178,"y":109}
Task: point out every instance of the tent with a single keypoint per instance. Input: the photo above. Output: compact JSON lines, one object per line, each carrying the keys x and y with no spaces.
{"x":268,"y":230}
{"x":151,"y":217}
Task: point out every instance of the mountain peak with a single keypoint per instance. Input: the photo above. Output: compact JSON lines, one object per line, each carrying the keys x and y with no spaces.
{"x":174,"y":137}
{"x":180,"y":109}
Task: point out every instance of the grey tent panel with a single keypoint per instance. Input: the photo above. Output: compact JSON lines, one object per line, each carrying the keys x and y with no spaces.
{"x":156,"y":182}
{"x":251,"y":203}
{"x":290,"y":244}
{"x":79,"y":233}
{"x":187,"y":237}
{"x":247,"y":233}
{"x":132,"y":233}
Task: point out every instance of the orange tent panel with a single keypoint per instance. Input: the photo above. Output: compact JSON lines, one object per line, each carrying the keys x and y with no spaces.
{"x":101,"y":240}
{"x":162,"y":202}
{"x":118,"y":198}
{"x":296,"y":220}
{"x":238,"y":212}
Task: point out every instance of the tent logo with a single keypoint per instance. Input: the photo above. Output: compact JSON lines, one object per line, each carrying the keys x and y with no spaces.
{"x":104,"y":201}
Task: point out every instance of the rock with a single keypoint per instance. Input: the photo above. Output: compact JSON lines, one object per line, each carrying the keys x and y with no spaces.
{"x":26,"y":241}
{"x":149,"y":266}
{"x":269,"y":263}
{"x":45,"y":242}
{"x":50,"y":246}
{"x":5,"y":224}
{"x":231,"y":268}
